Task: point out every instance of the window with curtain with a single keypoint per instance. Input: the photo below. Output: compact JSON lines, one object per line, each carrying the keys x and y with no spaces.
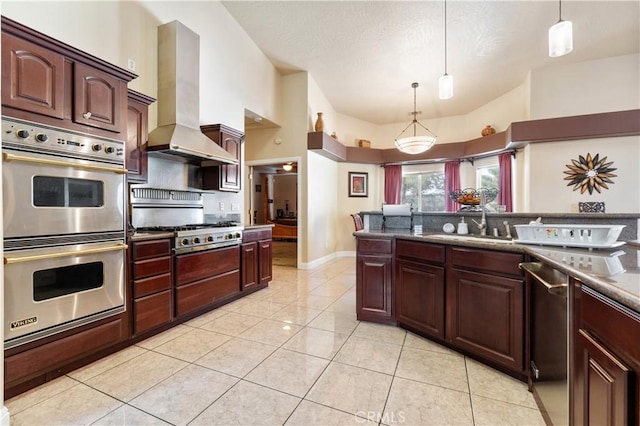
{"x":424,"y":191}
{"x":488,"y":177}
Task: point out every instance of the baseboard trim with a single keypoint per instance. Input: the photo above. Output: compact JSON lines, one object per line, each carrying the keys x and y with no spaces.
{"x":4,"y":416}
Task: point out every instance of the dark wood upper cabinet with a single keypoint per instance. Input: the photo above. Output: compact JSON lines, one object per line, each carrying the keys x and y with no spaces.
{"x":226,"y":177}
{"x":32,"y":78}
{"x":49,"y":82}
{"x":137,"y":132}
{"x":99,"y":99}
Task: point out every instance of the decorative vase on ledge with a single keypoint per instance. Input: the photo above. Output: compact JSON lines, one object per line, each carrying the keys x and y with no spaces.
{"x":319,"y":123}
{"x":488,"y":130}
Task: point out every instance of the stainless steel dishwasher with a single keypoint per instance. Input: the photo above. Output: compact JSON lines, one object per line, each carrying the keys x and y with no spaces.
{"x":549,"y":319}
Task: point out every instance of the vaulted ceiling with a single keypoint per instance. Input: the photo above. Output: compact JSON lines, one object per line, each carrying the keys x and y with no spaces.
{"x":364,"y":55}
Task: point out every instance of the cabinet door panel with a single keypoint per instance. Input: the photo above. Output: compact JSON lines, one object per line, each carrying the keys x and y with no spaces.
{"x":265,"y":261}
{"x":98,"y":98}
{"x":32,"y":78}
{"x":249,"y":262}
{"x":135,"y":154}
{"x":486,"y":316}
{"x":603,"y":384}
{"x":419,"y":298}
{"x":373,"y":278}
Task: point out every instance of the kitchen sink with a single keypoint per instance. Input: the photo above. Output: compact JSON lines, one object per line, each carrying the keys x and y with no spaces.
{"x":473,"y":238}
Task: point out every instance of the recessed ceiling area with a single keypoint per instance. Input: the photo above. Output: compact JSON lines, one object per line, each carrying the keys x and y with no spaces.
{"x":364,"y":55}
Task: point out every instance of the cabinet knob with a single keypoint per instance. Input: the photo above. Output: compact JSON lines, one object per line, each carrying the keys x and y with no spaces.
{"x":87,"y":115}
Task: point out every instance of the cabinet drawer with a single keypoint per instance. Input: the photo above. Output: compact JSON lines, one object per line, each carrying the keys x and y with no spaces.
{"x":152,"y":311}
{"x":486,"y":260}
{"x":197,"y":266}
{"x":255,"y":235}
{"x":206,"y":292}
{"x":145,"y":268}
{"x":152,"y":248}
{"x":422,"y":251}
{"x":151,"y":285}
{"x":374,"y":246}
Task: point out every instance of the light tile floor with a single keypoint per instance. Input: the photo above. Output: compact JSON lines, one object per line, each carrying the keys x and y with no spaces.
{"x":291,"y":354}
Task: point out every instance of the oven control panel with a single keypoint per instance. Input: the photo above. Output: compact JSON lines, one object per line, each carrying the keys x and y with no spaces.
{"x":34,"y":137}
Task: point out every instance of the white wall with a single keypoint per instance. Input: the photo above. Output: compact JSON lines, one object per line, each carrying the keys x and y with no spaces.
{"x":603,"y":85}
{"x":548,"y":191}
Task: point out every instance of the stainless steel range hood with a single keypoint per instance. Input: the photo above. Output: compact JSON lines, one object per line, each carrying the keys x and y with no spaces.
{"x":178,"y":132}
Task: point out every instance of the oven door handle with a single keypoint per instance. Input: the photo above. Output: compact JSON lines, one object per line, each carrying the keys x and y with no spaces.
{"x":18,"y":259}
{"x":12,"y":157}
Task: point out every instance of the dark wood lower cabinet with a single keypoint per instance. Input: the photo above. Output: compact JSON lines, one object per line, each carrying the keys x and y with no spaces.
{"x":602,"y":385}
{"x":373,"y":281}
{"x":152,"y":311}
{"x":419,"y":296}
{"x":605,"y":380}
{"x":151,"y":284}
{"x":265,"y":261}
{"x":39,"y":362}
{"x":205,"y":278}
{"x":249,"y":260}
{"x":485,"y":316}
{"x":256,"y":261}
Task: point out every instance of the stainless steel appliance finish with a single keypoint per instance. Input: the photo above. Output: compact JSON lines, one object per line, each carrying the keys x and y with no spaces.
{"x":59,"y":182}
{"x":549,"y":340}
{"x":178,"y":132}
{"x":48,"y":290}
{"x":64,"y":229}
{"x":181,"y":212}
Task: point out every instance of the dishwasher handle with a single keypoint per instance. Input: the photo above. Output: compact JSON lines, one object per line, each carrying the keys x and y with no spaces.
{"x":555,"y":281}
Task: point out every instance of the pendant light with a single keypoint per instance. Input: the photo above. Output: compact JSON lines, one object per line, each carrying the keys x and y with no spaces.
{"x":445,"y":83}
{"x":560,"y":36}
{"x":415,"y":144}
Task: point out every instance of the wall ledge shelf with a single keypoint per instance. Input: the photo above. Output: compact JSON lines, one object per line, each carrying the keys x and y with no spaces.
{"x":518,"y":135}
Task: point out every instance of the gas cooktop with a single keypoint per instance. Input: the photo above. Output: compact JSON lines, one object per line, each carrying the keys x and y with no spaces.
{"x":189,"y":227}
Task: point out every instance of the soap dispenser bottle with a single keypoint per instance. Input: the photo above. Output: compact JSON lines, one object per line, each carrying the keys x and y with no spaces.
{"x":463,"y":228}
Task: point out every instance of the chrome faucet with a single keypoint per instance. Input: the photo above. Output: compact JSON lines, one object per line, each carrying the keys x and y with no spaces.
{"x":482,"y":226}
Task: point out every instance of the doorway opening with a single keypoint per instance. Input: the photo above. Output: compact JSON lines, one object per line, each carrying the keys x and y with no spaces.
{"x":274,"y":201}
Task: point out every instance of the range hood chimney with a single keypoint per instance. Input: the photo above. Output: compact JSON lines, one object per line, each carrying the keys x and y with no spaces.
{"x":178,"y":132}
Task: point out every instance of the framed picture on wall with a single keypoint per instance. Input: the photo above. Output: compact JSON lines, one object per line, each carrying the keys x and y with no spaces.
{"x":358,"y":184}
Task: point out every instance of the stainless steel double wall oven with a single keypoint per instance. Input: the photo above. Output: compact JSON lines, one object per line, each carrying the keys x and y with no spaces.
{"x":64,"y":229}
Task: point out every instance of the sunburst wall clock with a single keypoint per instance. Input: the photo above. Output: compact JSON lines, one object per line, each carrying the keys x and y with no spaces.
{"x":589,"y":173}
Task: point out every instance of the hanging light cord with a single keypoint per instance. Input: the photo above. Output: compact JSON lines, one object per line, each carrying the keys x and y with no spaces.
{"x":445,"y":37}
{"x":415,"y":114}
{"x":559,"y":10}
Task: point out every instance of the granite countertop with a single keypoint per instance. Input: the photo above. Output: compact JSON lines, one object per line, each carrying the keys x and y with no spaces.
{"x":612,"y":272}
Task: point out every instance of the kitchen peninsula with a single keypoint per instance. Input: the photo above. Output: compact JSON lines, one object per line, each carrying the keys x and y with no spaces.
{"x":468,"y":293}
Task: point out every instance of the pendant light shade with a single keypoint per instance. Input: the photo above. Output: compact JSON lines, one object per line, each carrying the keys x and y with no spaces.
{"x":560,"y":36}
{"x":445,"y":83}
{"x":445,"y":87}
{"x":415,"y":144}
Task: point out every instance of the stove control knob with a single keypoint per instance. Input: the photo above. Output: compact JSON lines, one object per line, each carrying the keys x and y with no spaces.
{"x":196,"y":240}
{"x":109,"y":150}
{"x":42,"y":137}
{"x":209,"y":239}
{"x":96,"y":147}
{"x":184,"y":241}
{"x":237,"y":235}
{"x":22,"y":134}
